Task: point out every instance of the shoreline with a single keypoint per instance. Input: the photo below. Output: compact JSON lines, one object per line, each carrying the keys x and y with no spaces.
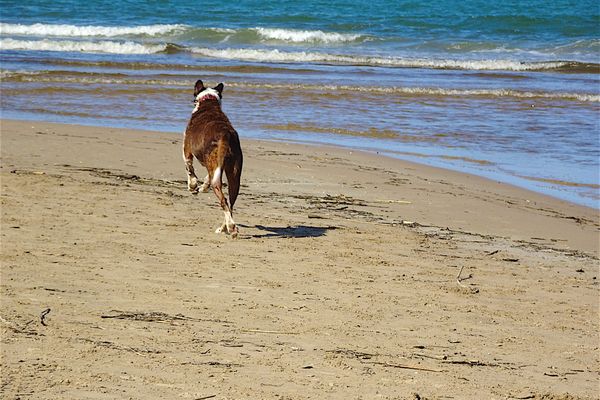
{"x":353,"y":274}
{"x":527,"y":183}
{"x":521,"y":182}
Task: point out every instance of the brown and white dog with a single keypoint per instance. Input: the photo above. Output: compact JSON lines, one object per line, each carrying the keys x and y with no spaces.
{"x":210,"y":138}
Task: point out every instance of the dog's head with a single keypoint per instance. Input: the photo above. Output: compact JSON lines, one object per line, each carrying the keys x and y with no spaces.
{"x":202,"y":93}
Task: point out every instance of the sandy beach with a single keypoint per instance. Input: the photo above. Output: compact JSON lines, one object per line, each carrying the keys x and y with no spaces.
{"x":354,"y":276}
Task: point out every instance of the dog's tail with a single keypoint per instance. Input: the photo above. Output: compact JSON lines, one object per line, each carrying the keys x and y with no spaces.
{"x":233,"y":169}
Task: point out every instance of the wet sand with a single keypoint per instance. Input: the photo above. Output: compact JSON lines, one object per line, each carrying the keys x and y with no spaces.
{"x":354,"y":276}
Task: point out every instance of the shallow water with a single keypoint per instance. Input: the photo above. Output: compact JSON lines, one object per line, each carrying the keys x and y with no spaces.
{"x":509,"y":92}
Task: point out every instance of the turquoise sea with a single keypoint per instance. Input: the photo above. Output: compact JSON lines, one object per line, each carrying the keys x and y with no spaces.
{"x":508,"y":90}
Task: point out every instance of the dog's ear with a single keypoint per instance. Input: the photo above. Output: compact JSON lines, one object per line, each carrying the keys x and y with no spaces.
{"x":219,"y":88}
{"x":198,"y":87}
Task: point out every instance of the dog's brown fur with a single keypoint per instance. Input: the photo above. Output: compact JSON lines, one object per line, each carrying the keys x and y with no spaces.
{"x":211,"y":138}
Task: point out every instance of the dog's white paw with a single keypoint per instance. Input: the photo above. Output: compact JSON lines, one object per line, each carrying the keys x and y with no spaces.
{"x":193,"y":185}
{"x":228,"y":230}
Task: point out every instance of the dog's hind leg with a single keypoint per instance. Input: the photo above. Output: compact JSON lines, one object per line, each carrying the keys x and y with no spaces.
{"x":233,"y":171}
{"x":228,"y":225}
{"x":192,"y":179}
{"x":205,"y":185}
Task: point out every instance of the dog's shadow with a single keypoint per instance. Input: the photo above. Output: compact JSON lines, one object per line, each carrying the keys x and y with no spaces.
{"x":298,"y":231}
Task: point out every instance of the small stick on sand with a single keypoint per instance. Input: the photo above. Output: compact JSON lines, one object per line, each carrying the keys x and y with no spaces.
{"x":459,"y":281}
{"x":458,"y":277}
{"x":263,"y":331}
{"x":394,"y":201}
{"x":402,"y":366}
{"x":43,"y":316}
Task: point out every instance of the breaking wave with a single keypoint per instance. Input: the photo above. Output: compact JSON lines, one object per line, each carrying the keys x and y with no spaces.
{"x":315,"y":57}
{"x":299,"y":36}
{"x":430,"y":91}
{"x":88,"y":31}
{"x":248,"y":35}
{"x":279,"y":56}
{"x":106,"y":46}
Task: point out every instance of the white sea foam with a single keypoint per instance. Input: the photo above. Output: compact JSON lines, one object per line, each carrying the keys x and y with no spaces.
{"x":300,"y":36}
{"x":427,"y":91}
{"x":20,"y":77}
{"x":88,"y":30}
{"x":6,"y":74}
{"x":301,"y":56}
{"x":498,"y":93}
{"x":168,"y":81}
{"x":105,"y":46}
{"x":63,"y":30}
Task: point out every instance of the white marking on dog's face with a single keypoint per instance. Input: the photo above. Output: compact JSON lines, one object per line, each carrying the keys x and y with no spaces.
{"x":208,"y":92}
{"x":203,"y":95}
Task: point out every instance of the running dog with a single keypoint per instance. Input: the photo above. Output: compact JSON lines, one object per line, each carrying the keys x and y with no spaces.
{"x":211,"y":138}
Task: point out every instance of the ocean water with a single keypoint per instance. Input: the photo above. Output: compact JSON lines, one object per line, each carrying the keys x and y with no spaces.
{"x":510,"y":91}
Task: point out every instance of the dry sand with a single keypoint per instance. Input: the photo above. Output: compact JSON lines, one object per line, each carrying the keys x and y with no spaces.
{"x":342,"y":284}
